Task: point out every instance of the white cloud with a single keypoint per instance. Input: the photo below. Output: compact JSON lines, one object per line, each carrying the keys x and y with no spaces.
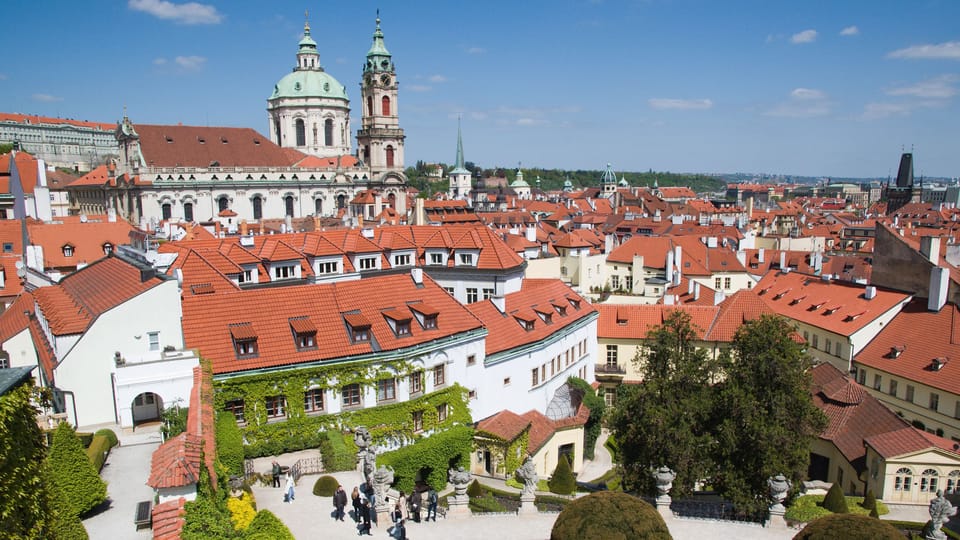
{"x":437,"y":78}
{"x":850,"y":31}
{"x":681,"y":104}
{"x":188,"y":13}
{"x":46,"y":98}
{"x":949,"y":50}
{"x":476,"y":50}
{"x":803,"y":103}
{"x":807,"y":36}
{"x":528,"y":122}
{"x":159,"y":61}
{"x":874,"y":111}
{"x":807,"y":93}
{"x":418,"y":88}
{"x":941,"y":87}
{"x":190,"y":63}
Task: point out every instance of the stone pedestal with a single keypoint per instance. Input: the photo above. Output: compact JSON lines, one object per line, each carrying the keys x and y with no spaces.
{"x":383,"y":517}
{"x":458,"y":506}
{"x":663,"y":506}
{"x":776,"y":520}
{"x":527,"y":505}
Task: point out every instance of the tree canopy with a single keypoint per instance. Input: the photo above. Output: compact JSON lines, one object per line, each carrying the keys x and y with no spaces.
{"x":72,"y":473}
{"x":24,"y":504}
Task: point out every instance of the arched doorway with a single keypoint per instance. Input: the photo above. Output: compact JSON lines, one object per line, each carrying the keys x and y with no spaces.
{"x":146,"y":407}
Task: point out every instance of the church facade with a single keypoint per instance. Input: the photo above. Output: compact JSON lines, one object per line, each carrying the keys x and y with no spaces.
{"x":305,"y":167}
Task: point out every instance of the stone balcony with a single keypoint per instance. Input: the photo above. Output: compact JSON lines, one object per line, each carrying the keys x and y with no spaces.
{"x":609,"y":372}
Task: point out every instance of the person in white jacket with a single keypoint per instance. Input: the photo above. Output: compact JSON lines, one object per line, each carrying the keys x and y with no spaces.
{"x":288,"y":489}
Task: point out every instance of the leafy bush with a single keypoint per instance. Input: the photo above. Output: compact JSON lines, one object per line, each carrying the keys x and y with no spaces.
{"x":915,"y":529}
{"x":98,"y":450}
{"x":835,"y":501}
{"x":266,"y":526}
{"x":869,"y":501}
{"x":73,"y":474}
{"x":325,"y":486}
{"x":475,"y":489}
{"x":434,"y":455}
{"x":207,"y":518}
{"x":809,"y":507}
{"x":542,"y":485}
{"x":848,"y":527}
{"x":174,"y":421}
{"x":613,"y":448}
{"x":486,"y":503}
{"x":609,"y":515}
{"x":338,"y":452}
{"x":597,"y":407}
{"x":241,"y":510}
{"x":110,"y":435}
{"x":229,"y":443}
{"x":562,"y":481}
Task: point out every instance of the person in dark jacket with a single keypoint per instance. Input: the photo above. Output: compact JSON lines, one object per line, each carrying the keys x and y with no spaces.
{"x":416,"y":499}
{"x":339,"y":502}
{"x":365,"y":515}
{"x":275,"y":470}
{"x":355,"y":496}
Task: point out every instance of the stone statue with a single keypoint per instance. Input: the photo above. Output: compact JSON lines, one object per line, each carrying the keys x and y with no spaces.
{"x":460,"y":480}
{"x":779,"y":486}
{"x":362,"y":438}
{"x":381,"y":480}
{"x":528,"y":473}
{"x":664,"y":478}
{"x":940,"y":512}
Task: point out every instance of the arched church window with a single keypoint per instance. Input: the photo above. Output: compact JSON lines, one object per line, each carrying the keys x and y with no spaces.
{"x":328,"y":132}
{"x":389,"y":156}
{"x":386,"y":105}
{"x":257,"y":208}
{"x":165,"y":208}
{"x":223,"y":203}
{"x":288,"y":205}
{"x":370,"y":105}
{"x":903,"y":479}
{"x":341,"y":201}
{"x":188,"y":212}
{"x":301,"y":132}
{"x":392,"y":200}
{"x":317,"y":207}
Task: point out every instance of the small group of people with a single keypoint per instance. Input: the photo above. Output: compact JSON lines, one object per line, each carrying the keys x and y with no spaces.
{"x":289,"y":484}
{"x":361,"y":509}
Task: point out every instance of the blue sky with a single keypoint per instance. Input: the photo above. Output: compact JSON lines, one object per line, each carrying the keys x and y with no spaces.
{"x":790,"y":87}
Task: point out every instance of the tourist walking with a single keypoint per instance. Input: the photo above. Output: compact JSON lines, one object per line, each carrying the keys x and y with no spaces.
{"x":339,"y":502}
{"x":276,"y":474}
{"x":400,"y":531}
{"x":365,"y":515}
{"x":288,"y":489}
{"x":432,"y":504}
{"x":416,"y":498}
{"x":402,"y":501}
{"x":355,"y":496}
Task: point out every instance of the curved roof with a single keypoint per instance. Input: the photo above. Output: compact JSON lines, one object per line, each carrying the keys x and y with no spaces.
{"x":309,"y":83}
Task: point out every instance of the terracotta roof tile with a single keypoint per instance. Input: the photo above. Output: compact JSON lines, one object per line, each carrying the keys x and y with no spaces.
{"x":635,"y":321}
{"x":176,"y":462}
{"x":168,"y":519}
{"x":200,"y":146}
{"x":505,"y":425}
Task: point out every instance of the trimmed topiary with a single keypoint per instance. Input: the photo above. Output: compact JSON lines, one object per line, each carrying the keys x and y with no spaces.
{"x":475,"y":489}
{"x":266,"y":526}
{"x":869,"y":500}
{"x":612,"y":516}
{"x":110,"y":435}
{"x":848,"y":527}
{"x":562,"y":481}
{"x":835,"y":501}
{"x":874,"y":513}
{"x":72,"y":473}
{"x":229,"y":443}
{"x":325,"y":486}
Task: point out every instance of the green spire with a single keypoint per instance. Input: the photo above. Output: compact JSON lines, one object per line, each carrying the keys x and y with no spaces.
{"x":378,"y":57}
{"x":609,"y":177}
{"x":458,"y":167}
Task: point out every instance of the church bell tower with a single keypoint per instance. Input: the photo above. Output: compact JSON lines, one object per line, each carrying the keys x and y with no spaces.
{"x":380,"y":138}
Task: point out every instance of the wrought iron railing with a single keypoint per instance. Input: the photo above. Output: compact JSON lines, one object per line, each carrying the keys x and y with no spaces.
{"x":616,"y":369}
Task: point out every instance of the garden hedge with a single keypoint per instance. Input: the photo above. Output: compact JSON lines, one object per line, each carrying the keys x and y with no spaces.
{"x":339,"y":453}
{"x":325,"y":486}
{"x":434,"y":454}
{"x":609,"y":515}
{"x":110,"y":435}
{"x":266,"y":526}
{"x":835,"y":501}
{"x":98,"y":450}
{"x":848,"y":527}
{"x":562,"y":482}
{"x":229,"y":443}
{"x":72,"y":472}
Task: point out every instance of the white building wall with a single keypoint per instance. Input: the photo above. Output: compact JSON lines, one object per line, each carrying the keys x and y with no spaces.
{"x":171,"y":379}
{"x":21,"y":350}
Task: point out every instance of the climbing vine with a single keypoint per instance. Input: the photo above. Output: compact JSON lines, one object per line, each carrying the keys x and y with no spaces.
{"x":516,"y":453}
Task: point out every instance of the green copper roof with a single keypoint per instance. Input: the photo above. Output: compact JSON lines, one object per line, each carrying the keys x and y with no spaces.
{"x":458,"y":167}
{"x":378,"y":57}
{"x":309,"y":83}
{"x":519,"y":182}
{"x":609,"y":177}
{"x":307,"y":44}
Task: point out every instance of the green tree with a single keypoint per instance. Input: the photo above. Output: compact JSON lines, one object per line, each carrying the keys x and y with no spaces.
{"x":606,"y":514}
{"x":229,"y":443}
{"x":869,"y":501}
{"x":24,"y":500}
{"x":72,"y":473}
{"x":174,"y":421}
{"x":765,"y":416}
{"x":597,"y":407}
{"x":266,"y":526}
{"x":667,"y":419}
{"x":835,"y":501}
{"x":562,"y":481}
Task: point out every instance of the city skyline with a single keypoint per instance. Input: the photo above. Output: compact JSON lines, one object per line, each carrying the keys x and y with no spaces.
{"x":665,"y":85}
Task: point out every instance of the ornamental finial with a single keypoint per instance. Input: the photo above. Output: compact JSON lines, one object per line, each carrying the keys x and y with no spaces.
{"x":306,"y":22}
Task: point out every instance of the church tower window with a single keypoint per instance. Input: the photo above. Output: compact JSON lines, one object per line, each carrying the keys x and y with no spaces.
{"x":288,"y":203}
{"x":318,"y":207}
{"x":301,"y":133}
{"x":389,"y":156}
{"x":386,"y":105}
{"x":223,"y":203}
{"x":328,"y":132}
{"x":166,"y":210}
{"x":188,"y":211}
{"x":257,"y":208}
{"x":370,"y":105}
{"x":341,"y":201}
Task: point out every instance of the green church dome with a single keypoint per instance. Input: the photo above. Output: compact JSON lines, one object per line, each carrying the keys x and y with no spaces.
{"x":309,"y":83}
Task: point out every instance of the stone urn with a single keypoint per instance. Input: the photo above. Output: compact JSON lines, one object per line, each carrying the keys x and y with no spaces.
{"x":779,"y":486}
{"x":664,"y":478}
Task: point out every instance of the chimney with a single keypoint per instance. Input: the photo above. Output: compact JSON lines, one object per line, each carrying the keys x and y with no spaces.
{"x":668,"y":300}
{"x":870,"y":292}
{"x":289,"y":223}
{"x":930,"y":248}
{"x":531,"y":234}
{"x":749,"y":207}
{"x":742,"y":257}
{"x":112,"y":215}
{"x":712,"y":242}
{"x":678,"y":258}
{"x":939,"y":285}
{"x":608,"y":243}
{"x":3,"y":278}
{"x":759,"y":253}
{"x":696,"y":291}
{"x":817,"y":261}
{"x":783,"y":260}
{"x":500,"y":303}
{"x":244,"y":228}
{"x":417,"y":275}
{"x":669,"y":267}
{"x":690,"y":284}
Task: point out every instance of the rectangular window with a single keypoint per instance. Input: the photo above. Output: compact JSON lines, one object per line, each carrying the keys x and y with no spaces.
{"x":829,"y":346}
{"x":327,"y":268}
{"x":449,"y":290}
{"x":154,"y":339}
{"x":487,"y":293}
{"x":436,"y":258}
{"x":246,"y":348}
{"x":386,"y":389}
{"x":313,"y":400}
{"x":401,"y":260}
{"x":726,"y":283}
{"x":235,"y":406}
{"x":441,"y":412}
{"x":368,"y":263}
{"x":403,"y":328}
{"x":471,"y":295}
{"x":909,"y":396}
{"x":429,"y":322}
{"x":877,"y":381}
{"x":535,"y":380}
{"x":306,"y":341}
{"x":472,"y":394}
{"x":956,"y":410}
{"x":816,"y":341}
{"x":351,"y":395}
{"x":893,"y":388}
{"x":611,"y":356}
{"x":275,"y":406}
{"x":471,"y":360}
{"x":466,"y":259}
{"x":360,"y":334}
{"x":246,"y":276}
{"x":543,"y":372}
{"x":439,"y":375}
{"x":806,"y":335}
{"x":284,"y":272}
{"x":837,"y":349}
{"x":506,"y":381}
{"x":934,"y":401}
{"x":615,"y":282}
{"x":416,"y":382}
{"x":417,"y":421}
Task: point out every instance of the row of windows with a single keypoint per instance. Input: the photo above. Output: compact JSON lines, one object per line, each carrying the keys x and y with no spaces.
{"x":538,"y":375}
{"x":68,"y":250}
{"x":929,"y":480}
{"x":727,"y":283}
{"x":893,"y":390}
{"x":830,"y":347}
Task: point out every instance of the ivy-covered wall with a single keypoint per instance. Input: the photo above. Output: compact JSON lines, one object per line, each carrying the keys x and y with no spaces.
{"x":301,"y":431}
{"x":430,"y":458}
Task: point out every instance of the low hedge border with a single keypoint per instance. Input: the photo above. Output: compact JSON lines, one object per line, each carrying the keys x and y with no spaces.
{"x":918,"y":527}
{"x":98,"y":450}
{"x":338,"y":453}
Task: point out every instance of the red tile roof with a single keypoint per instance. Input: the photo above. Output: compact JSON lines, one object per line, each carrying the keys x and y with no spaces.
{"x":207,"y":320}
{"x":176,"y":463}
{"x":507,"y":426}
{"x":168,"y":519}
{"x":200,"y":146}
{"x":26,"y":168}
{"x":506,"y":333}
{"x":88,"y":239}
{"x":910,"y":440}
{"x":37,"y":120}
{"x":634,"y":321}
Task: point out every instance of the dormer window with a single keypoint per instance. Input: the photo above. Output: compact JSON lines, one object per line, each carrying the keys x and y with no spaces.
{"x":426,"y":315}
{"x":561,"y":309}
{"x":436,"y":259}
{"x":367,"y":263}
{"x":526,"y":320}
{"x":938,"y":363}
{"x":575,"y":302}
{"x":67,"y":250}
{"x":545,"y":315}
{"x":359,"y":327}
{"x":895,"y":352}
{"x":107,"y":248}
{"x":244,"y":340}
{"x":304,"y":333}
{"x":402,"y":260}
{"x":399,"y":322}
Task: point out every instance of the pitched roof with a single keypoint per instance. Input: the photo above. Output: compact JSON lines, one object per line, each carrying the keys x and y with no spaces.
{"x":507,"y":426}
{"x":740,"y":307}
{"x":909,"y":440}
{"x":176,"y":462}
{"x":635,"y":321}
{"x":200,"y":146}
{"x":168,"y":519}
{"x":39,"y":120}
{"x":87,"y":238}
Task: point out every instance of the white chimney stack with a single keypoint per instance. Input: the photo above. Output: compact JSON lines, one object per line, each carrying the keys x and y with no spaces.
{"x":939,"y":286}
{"x":500,"y":303}
{"x":870,"y":292}
{"x":417,"y":275}
{"x":759,"y":254}
{"x":669,"y":267}
{"x":531,"y":234}
{"x":696,"y":291}
{"x":930,"y":248}
{"x":783,"y":260}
